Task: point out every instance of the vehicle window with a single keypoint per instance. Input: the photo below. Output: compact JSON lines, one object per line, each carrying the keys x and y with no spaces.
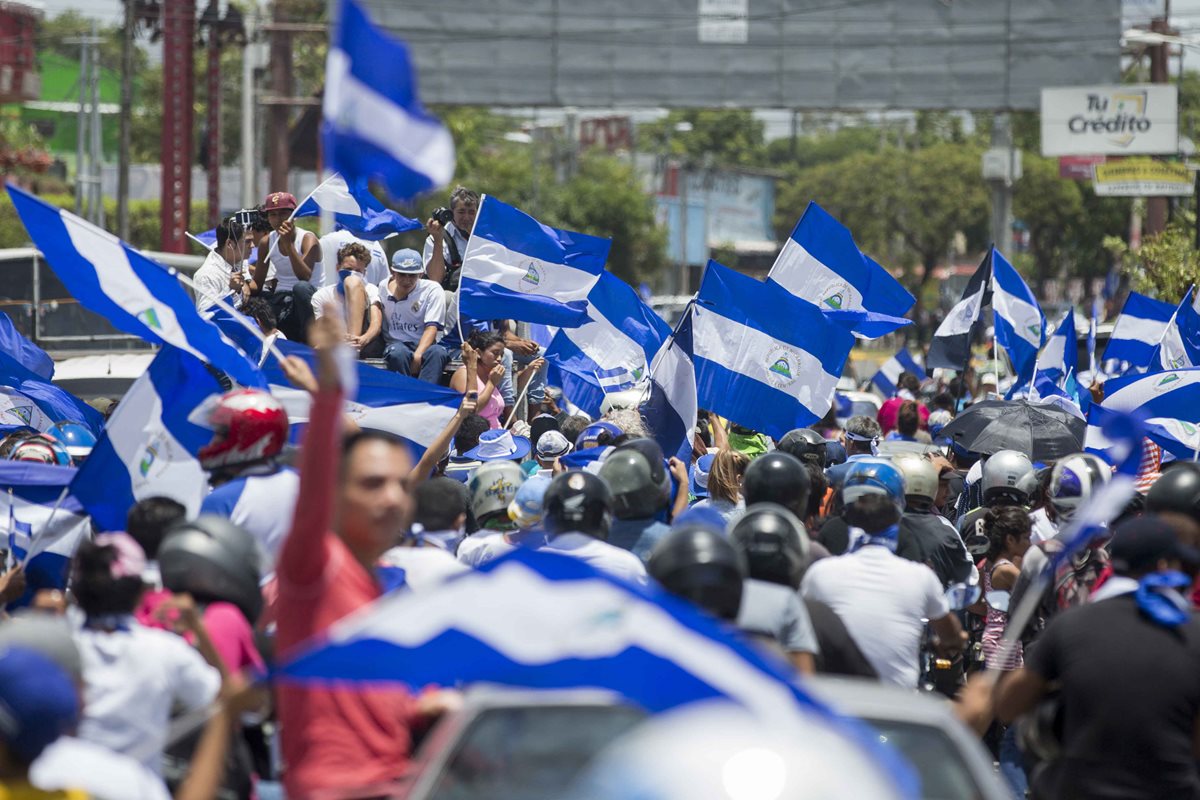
{"x":933,"y":754}
{"x":529,"y":753}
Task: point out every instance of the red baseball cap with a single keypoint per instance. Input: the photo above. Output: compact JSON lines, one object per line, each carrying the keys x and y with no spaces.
{"x":280,"y":201}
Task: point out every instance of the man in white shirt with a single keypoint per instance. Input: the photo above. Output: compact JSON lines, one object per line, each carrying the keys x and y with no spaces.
{"x":578,"y":511}
{"x":296,"y":256}
{"x":357,"y":298}
{"x":446,"y":244}
{"x":883,"y":599}
{"x":220,"y":276}
{"x":332,"y":243}
{"x":414,"y":314}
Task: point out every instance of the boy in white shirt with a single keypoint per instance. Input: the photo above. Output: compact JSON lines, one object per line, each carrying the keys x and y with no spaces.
{"x":414,"y":315}
{"x":357,"y":298}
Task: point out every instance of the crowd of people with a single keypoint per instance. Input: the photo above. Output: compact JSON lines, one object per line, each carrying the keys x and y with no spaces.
{"x":838,"y":548}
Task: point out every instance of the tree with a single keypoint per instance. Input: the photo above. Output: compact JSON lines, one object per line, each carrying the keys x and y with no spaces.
{"x":721,"y":137}
{"x":1167,"y":264}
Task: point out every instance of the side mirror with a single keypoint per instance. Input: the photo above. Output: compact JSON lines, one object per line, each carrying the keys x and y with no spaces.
{"x":961,"y":595}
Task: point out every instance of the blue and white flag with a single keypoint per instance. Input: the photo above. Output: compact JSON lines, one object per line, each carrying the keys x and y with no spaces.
{"x":43,"y":523}
{"x":612,"y":351}
{"x":1138,"y":330}
{"x":1180,"y":344}
{"x":764,"y":358}
{"x":1168,"y":402}
{"x":1093,"y":323}
{"x":670,"y":410}
{"x":951,"y":344}
{"x":27,"y":400}
{"x":1020,"y":324}
{"x":821,"y":263}
{"x":149,"y":445}
{"x":355,"y":209}
{"x":208,"y":240}
{"x":888,"y":375}
{"x":544,"y":621}
{"x":1060,"y":356}
{"x":132,"y":292}
{"x":517,"y":268}
{"x":23,"y":351}
{"x":374,"y":125}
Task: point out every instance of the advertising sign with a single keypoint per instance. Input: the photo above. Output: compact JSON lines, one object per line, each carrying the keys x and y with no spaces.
{"x":1142,"y":177}
{"x":1136,"y":119}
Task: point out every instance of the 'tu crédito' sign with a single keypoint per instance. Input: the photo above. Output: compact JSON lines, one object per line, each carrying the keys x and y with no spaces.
{"x":1135,"y":119}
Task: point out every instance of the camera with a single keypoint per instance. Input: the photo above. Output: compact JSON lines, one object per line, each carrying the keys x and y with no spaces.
{"x":250,"y":218}
{"x":443,"y":215}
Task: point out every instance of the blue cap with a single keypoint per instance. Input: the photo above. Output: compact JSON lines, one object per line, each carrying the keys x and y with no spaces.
{"x":590,"y":436}
{"x":704,"y":516}
{"x":38,"y":702}
{"x":407,"y":262}
{"x":698,"y":475}
{"x":526,"y":507}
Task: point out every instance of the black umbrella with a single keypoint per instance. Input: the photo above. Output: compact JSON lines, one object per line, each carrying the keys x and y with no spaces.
{"x":1043,"y":432}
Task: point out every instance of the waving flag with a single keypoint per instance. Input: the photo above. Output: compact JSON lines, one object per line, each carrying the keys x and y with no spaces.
{"x":132,"y":292}
{"x":517,"y":268}
{"x":1180,"y":343}
{"x":1060,"y":356}
{"x":612,"y":350}
{"x":23,"y":351}
{"x":374,"y":125}
{"x":355,"y":209}
{"x":43,"y":523}
{"x":1138,"y":330}
{"x":1020,"y":324}
{"x":670,"y":410}
{"x":764,"y":358}
{"x":821,"y":263}
{"x":1091,"y":337}
{"x":544,"y":621}
{"x":149,"y":446}
{"x":26,"y":400}
{"x":888,"y":375}
{"x":951,"y":345}
{"x":1168,"y":402}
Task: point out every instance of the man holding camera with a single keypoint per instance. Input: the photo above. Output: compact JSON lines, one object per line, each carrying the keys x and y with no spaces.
{"x":296,"y":256}
{"x":220,"y":276}
{"x":449,"y":229}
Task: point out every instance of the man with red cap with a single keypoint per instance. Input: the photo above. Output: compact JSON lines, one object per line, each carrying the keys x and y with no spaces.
{"x":296,"y":256}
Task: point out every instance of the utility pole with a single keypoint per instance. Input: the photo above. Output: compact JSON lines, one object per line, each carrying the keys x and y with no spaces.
{"x":97,"y":204}
{"x":1156,"y":207}
{"x":85,"y":52}
{"x":125,"y":122}
{"x":249,"y":162}
{"x":210,"y":21}
{"x":1001,"y":168}
{"x":281,"y":86}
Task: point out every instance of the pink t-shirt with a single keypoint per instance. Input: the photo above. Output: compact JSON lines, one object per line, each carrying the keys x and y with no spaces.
{"x":891,"y":408}
{"x":230,"y":631}
{"x":494,"y":407}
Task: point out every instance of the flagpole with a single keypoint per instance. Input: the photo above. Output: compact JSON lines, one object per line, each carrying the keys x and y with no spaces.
{"x":292,"y":216}
{"x":57,"y":504}
{"x":517,"y":403}
{"x":233,"y":312}
{"x":11,"y":559}
{"x":202,"y":244}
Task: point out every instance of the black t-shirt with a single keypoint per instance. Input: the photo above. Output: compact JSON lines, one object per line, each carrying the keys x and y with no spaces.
{"x":928,"y":539}
{"x":1131,"y":698}
{"x":839,"y":654}
{"x":835,"y":535}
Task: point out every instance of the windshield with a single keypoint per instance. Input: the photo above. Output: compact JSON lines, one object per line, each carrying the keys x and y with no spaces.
{"x":944,"y":774}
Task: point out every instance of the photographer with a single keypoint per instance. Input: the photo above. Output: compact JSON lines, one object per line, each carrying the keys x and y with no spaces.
{"x":449,"y":229}
{"x":220,"y":276}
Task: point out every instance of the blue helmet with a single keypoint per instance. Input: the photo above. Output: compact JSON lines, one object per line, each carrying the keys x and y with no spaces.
{"x":76,"y":438}
{"x":873,"y":476}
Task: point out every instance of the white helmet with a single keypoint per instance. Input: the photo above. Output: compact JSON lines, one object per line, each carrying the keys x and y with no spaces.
{"x":920,"y":478}
{"x":493,"y":487}
{"x":1074,"y":480}
{"x":1008,"y":478}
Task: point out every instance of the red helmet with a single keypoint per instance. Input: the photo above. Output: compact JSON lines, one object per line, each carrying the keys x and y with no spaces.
{"x":248,"y":425}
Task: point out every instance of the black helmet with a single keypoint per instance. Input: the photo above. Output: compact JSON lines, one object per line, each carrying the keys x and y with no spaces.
{"x":1177,"y":489}
{"x":777,"y":478}
{"x":774,"y":543}
{"x":213,"y":559}
{"x":698,"y":564}
{"x":638,"y":481}
{"x":806,"y":445}
{"x":578,"y":501}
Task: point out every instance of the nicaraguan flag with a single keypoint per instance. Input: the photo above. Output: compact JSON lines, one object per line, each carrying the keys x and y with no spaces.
{"x":888,"y":375}
{"x":951,"y":344}
{"x":355,"y":209}
{"x":517,"y":268}
{"x":1138,"y":330}
{"x":1168,"y":402}
{"x":208,"y":240}
{"x":821,"y":263}
{"x":27,"y":400}
{"x":544,"y":621}
{"x":671,"y":408}
{"x":374,"y":125}
{"x":149,"y":445}
{"x":610,"y":352}
{"x":764,"y":358}
{"x":1091,"y":337}
{"x":44,"y":522}
{"x":1060,"y":356}
{"x":23,"y":351}
{"x":1180,"y":344}
{"x":1020,"y":324}
{"x":132,"y":292}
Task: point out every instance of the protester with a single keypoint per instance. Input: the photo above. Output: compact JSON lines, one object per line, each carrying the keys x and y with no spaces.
{"x":357,"y":299}
{"x":924,"y":536}
{"x":482,"y":354}
{"x":724,"y":485}
{"x":414,"y":313}
{"x":578,"y":512}
{"x":446,"y":244}
{"x":641,"y":496}
{"x":220,"y":276}
{"x":296,"y":256}
{"x":908,"y":389}
{"x":863,"y":435}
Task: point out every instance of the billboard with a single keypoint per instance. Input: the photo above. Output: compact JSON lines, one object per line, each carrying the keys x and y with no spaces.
{"x":799,"y":54}
{"x":1142,"y":177}
{"x":1132,"y":119}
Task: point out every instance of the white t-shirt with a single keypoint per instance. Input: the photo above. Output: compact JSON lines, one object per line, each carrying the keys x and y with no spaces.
{"x":133,"y":681}
{"x":424,"y":567}
{"x":882,"y":600}
{"x":405,"y":320}
{"x":601,"y":555}
{"x":212,"y":280}
{"x":260,"y":503}
{"x":330,"y":294}
{"x":449,"y":232}
{"x":70,"y":763}
{"x":483,"y":547}
{"x":331,"y":243}
{"x":284,"y":273}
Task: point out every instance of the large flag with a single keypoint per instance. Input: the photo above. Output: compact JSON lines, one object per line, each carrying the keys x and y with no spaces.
{"x":23,"y":351}
{"x":374,"y":125}
{"x":26,"y":400}
{"x":1168,"y":402}
{"x":1180,"y":343}
{"x":671,"y":408}
{"x":888,"y":375}
{"x":132,"y":292}
{"x":764,"y":358}
{"x":821,"y":263}
{"x":1138,"y":330}
{"x":1020,"y":323}
{"x":1060,"y":356}
{"x":544,"y":621}
{"x":149,"y":445}
{"x":951,"y":345}
{"x":612,"y":350}
{"x":355,"y":209}
{"x":43,"y":522}
{"x":517,"y":268}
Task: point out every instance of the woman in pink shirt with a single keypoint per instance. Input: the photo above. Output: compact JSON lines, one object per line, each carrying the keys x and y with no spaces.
{"x":483,"y":353}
